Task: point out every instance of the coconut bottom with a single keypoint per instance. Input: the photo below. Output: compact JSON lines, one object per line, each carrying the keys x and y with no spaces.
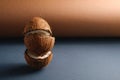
{"x":38,"y":63}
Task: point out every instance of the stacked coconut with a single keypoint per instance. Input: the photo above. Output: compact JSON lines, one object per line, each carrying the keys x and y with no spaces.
{"x":39,"y":42}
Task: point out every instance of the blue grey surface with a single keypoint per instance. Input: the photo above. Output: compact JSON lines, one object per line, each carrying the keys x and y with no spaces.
{"x":74,"y":59}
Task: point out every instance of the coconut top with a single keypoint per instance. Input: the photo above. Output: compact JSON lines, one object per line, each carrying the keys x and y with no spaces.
{"x":37,"y":23}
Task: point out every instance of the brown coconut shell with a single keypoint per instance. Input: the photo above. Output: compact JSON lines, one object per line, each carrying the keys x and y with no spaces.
{"x":37,"y":63}
{"x":37,"y":23}
{"x":39,"y":44}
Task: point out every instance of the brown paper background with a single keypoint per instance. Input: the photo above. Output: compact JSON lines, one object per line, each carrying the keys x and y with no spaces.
{"x":68,"y":18}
